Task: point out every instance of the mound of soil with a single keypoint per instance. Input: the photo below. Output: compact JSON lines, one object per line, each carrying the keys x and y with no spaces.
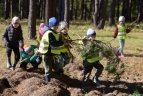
{"x":23,"y":83}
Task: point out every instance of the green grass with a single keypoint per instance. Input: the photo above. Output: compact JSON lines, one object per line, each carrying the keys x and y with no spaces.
{"x":77,"y":30}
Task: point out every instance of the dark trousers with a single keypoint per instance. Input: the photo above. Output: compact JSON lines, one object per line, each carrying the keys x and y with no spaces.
{"x":66,"y":58}
{"x":88,"y":68}
{"x":23,"y":65}
{"x":9,"y":50}
{"x":53,"y":61}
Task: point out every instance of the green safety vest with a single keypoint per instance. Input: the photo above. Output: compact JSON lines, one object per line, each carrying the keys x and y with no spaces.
{"x":44,"y":44}
{"x":91,"y":57}
{"x":122,"y":32}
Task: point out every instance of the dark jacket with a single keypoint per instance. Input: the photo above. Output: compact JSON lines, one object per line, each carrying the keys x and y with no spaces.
{"x":13,"y":36}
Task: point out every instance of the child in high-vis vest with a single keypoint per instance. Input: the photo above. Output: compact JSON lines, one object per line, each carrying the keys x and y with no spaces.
{"x":90,"y":57}
{"x":50,"y":48}
{"x":121,"y":32}
{"x":63,"y":27}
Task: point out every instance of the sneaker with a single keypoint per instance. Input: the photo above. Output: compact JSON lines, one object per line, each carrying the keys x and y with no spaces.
{"x":96,"y":81}
{"x":12,"y":68}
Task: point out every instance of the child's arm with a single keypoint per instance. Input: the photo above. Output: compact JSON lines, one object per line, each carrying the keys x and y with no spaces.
{"x":128,"y":30}
{"x":115,"y":33}
{"x":34,"y":46}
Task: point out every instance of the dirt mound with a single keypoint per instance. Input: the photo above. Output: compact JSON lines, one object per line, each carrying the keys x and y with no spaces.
{"x":23,"y":83}
{"x":51,"y":90}
{"x":28,"y":86}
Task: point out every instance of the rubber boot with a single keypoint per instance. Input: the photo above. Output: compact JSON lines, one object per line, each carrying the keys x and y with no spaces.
{"x":47,"y":78}
{"x":96,"y":80}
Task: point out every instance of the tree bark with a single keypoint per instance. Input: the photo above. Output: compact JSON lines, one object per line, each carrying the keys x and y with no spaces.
{"x":76,"y":9}
{"x":82,"y":9}
{"x":67,"y":11}
{"x":112,"y":12}
{"x":125,"y":10}
{"x":11,"y":9}
{"x":21,"y":8}
{"x":103,"y":5}
{"x":7,"y":9}
{"x":118,"y":9}
{"x":96,"y":12}
{"x":140,"y":12}
{"x":50,"y":10}
{"x":32,"y":19}
{"x":61,"y":9}
{"x":71,"y":9}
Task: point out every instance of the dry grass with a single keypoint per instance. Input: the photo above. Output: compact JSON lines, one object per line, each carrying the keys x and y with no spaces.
{"x":133,"y":46}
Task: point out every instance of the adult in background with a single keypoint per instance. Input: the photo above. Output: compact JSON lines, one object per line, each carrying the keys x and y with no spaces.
{"x":13,"y":39}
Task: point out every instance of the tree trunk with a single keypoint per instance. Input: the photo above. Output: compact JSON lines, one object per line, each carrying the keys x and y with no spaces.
{"x":82,"y":9}
{"x":85,"y":11}
{"x":11,"y":9}
{"x":90,"y":9}
{"x":125,"y":10}
{"x":67,"y":11}
{"x":21,"y":8}
{"x":76,"y":9}
{"x":50,"y":10}
{"x":32,"y":19}
{"x":103,"y":5}
{"x":7,"y":9}
{"x":43,"y":9}
{"x":61,"y":9}
{"x":26,"y":8}
{"x":118,"y":9}
{"x":71,"y":9}
{"x":140,"y":13}
{"x":96,"y":12}
{"x":47,"y":12}
{"x":112,"y":12}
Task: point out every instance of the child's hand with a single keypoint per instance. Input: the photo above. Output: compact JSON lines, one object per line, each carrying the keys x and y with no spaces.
{"x":113,"y":38}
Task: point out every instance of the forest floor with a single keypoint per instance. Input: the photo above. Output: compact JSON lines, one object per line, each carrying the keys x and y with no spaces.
{"x":28,"y":83}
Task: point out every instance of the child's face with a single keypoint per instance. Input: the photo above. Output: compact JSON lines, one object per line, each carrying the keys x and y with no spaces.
{"x":64,"y":31}
{"x":55,"y":27}
{"x":92,"y":38}
{"x":122,"y":23}
{"x":16,"y":25}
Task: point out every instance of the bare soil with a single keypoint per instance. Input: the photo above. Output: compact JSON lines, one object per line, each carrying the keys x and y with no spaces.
{"x":28,"y":83}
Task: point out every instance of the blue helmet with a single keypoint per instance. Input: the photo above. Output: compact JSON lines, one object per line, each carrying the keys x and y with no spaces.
{"x":53,"y":22}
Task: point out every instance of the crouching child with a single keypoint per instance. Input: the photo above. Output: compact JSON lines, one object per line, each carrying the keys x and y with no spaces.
{"x":26,"y":57}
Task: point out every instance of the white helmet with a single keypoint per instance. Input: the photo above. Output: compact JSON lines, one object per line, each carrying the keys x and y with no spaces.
{"x":121,"y":18}
{"x":15,"y":19}
{"x":63,"y":24}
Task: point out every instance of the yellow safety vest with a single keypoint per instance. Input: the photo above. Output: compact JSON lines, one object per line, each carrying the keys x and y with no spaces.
{"x":64,"y":49}
{"x":44,"y":44}
{"x":91,"y":57}
{"x":122,"y":32}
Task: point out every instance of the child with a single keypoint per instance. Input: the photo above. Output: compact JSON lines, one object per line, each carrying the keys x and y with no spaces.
{"x":50,"y":48}
{"x":65,"y":37}
{"x":27,"y":54}
{"x":90,"y":57}
{"x":13,"y":38}
{"x":121,"y":32}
